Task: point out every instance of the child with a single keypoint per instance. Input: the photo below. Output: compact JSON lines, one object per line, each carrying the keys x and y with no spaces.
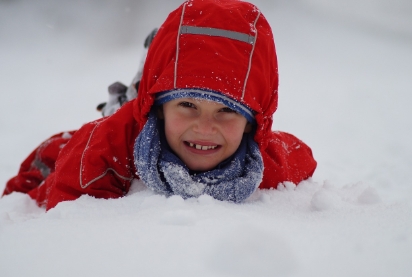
{"x":201,"y":122}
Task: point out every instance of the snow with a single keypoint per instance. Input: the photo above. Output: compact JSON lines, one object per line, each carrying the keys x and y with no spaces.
{"x":344,"y":89}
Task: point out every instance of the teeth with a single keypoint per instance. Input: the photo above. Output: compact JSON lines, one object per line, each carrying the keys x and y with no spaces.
{"x":201,"y":147}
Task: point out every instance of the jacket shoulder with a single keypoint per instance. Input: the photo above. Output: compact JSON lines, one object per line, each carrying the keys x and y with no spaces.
{"x":98,"y":160}
{"x":286,"y":158}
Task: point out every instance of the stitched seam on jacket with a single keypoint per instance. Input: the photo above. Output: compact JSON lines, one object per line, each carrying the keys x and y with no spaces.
{"x":104,"y":173}
{"x":177,"y":45}
{"x":250,"y":57}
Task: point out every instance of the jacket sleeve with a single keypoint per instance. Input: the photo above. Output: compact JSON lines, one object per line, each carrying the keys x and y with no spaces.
{"x":286,"y":158}
{"x":97,"y":161}
{"x":38,"y":165}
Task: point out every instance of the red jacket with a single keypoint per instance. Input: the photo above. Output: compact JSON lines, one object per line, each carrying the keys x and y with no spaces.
{"x":224,"y":46}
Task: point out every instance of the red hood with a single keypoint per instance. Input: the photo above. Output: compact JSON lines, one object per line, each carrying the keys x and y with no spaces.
{"x":223,"y":46}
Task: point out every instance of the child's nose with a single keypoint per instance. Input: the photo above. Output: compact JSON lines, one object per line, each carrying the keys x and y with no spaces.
{"x":205,"y":125}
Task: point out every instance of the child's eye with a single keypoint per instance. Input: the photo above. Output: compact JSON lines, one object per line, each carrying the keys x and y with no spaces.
{"x":187,"y":104}
{"x":227,"y":110}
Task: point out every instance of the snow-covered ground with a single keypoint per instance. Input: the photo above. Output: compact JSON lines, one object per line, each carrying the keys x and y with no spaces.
{"x":345,"y":89}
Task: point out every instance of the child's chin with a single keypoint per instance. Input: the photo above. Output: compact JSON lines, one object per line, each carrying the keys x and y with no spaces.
{"x":201,"y":167}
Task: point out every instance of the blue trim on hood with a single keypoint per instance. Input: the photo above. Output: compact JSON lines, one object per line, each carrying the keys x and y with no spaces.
{"x":210,"y":95}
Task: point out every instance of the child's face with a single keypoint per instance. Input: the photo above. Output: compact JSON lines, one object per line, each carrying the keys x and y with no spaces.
{"x":202,"y":133}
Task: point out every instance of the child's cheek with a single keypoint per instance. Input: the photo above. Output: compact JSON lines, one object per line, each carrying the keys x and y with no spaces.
{"x":175,"y":126}
{"x":234,"y":126}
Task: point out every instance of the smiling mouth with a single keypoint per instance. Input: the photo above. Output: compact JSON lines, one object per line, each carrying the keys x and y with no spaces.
{"x":201,"y":147}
